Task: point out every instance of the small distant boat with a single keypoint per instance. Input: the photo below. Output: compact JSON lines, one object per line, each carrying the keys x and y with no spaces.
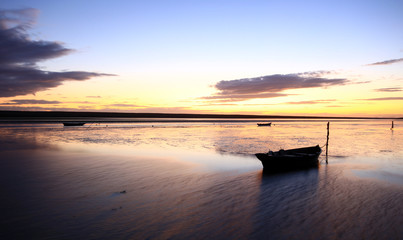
{"x":292,"y":159}
{"x":264,"y":124}
{"x":73,"y":123}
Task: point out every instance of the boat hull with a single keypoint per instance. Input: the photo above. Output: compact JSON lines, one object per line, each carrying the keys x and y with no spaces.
{"x":288,"y":160}
{"x":68,"y":124}
{"x":263,"y":124}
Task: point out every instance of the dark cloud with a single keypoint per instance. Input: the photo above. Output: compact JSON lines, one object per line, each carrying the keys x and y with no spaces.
{"x":272,"y":85}
{"x":391,"y":89}
{"x":15,"y":45}
{"x":29,"y":101}
{"x":386,"y":62}
{"x":19,"y":55}
{"x":39,"y":108}
{"x":24,"y":80}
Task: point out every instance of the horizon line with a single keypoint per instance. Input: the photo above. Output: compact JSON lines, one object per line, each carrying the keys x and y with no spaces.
{"x":35,"y":114}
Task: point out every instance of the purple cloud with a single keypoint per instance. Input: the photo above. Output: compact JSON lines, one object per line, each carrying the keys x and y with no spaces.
{"x":29,"y":101}
{"x":19,"y":55}
{"x":271,"y":86}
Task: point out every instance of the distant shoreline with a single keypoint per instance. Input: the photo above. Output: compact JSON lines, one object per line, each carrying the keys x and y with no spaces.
{"x":56,"y":116}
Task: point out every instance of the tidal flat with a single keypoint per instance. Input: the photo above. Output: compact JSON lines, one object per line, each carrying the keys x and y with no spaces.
{"x":199,"y":180}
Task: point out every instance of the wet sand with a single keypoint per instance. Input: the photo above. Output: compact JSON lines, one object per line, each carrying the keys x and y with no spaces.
{"x":196,"y":182}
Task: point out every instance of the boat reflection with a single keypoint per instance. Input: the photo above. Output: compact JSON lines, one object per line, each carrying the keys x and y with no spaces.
{"x":285,"y":205}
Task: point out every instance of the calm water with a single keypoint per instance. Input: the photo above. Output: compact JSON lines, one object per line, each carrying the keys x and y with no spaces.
{"x":199,"y":181}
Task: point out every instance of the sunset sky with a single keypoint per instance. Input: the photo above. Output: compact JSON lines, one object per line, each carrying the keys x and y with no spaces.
{"x":331,"y":58}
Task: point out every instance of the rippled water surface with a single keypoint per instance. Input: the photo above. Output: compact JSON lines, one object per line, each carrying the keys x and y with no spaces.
{"x":199,"y":181}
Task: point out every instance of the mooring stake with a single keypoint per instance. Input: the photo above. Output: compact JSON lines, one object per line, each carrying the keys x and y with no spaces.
{"x":327,"y":141}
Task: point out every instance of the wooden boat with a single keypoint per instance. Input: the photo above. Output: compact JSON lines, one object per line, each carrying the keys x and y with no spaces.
{"x":264,"y":124}
{"x":292,"y":159}
{"x":73,"y":123}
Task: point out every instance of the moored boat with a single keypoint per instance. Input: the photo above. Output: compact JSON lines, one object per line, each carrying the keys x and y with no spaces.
{"x":292,"y":159}
{"x":73,"y":123}
{"x":264,"y":124}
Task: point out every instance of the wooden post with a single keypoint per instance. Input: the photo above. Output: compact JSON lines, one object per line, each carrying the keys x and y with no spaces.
{"x":327,"y":141}
{"x":392,"y":125}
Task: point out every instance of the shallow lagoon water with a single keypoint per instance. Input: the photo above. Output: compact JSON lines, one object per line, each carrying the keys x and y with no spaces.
{"x":199,"y":181}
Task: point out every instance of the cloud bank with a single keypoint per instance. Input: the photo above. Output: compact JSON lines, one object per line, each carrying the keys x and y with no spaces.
{"x":271,"y":86}
{"x":19,"y":55}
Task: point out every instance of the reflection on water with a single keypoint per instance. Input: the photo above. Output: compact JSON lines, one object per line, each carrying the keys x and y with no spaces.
{"x":323,"y":204}
{"x":199,"y":181}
